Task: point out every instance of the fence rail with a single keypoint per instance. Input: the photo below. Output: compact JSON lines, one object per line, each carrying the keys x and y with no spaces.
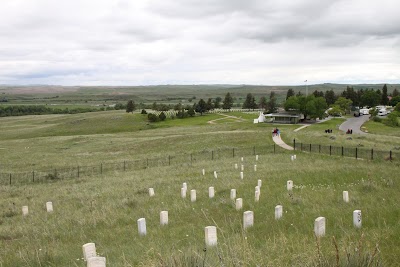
{"x":51,"y":174}
{"x":353,"y":152}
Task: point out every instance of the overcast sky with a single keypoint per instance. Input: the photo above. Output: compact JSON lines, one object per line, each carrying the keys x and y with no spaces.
{"x":143,"y":42}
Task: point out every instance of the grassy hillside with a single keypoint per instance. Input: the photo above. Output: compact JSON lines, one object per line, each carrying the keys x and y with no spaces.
{"x":104,"y":210}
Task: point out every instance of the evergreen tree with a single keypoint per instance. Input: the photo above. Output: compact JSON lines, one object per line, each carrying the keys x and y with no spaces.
{"x":130,"y":107}
{"x":330,"y":97}
{"x":263,"y":103}
{"x":271,"y":105}
{"x":191,"y":112}
{"x":384,"y":100}
{"x":317,"y":93}
{"x":395,"y":92}
{"x":289,"y":93}
{"x":209,"y":105}
{"x":162,"y":116}
{"x":228,"y":101}
{"x":299,"y":93}
{"x":247,"y":103}
{"x":201,"y":107}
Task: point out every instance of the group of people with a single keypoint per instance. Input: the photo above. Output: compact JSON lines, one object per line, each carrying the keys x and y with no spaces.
{"x":276,"y":132}
{"x":329,"y":131}
{"x":349,"y":131}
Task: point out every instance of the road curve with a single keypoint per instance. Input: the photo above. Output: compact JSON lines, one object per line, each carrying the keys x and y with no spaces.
{"x":354,"y":123}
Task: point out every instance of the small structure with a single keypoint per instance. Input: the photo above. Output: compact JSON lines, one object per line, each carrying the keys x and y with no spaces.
{"x":283,"y":118}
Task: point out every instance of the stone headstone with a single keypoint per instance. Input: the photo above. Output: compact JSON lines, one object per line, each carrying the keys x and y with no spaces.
{"x":242,"y":168}
{"x":241,"y":159}
{"x":142,"y":226}
{"x":255,"y":168}
{"x":256,"y":157}
{"x":294,"y":156}
{"x":319,"y":226}
{"x":357,"y":218}
{"x":241,"y":175}
{"x":96,"y":262}
{"x":164,"y":217}
{"x":203,"y":172}
{"x":193,"y":195}
{"x":233,"y":194}
{"x":49,"y":206}
{"x":289,"y":185}
{"x":151,"y":192}
{"x":259,"y":183}
{"x":346,"y":196}
{"x":239,"y":203}
{"x":236,"y":166}
{"x":257,"y":188}
{"x":183,"y":192}
{"x":211,"y":235}
{"x":278,"y":212}
{"x":184,"y":185}
{"x":25,"y":210}
{"x":257,"y":196}
{"x":215,"y":175}
{"x":211,"y":192}
{"x":89,"y":250}
{"x":248,"y":219}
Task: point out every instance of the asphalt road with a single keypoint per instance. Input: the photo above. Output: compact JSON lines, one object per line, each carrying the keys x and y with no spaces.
{"x":354,"y":123}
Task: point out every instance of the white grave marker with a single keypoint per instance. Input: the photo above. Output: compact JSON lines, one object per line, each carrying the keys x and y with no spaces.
{"x":193,"y":195}
{"x":294,"y":156}
{"x":241,"y":175}
{"x":211,"y":235}
{"x":184,"y":185}
{"x":236,"y":166}
{"x":215,"y":175}
{"x":357,"y":218}
{"x":278,"y":212}
{"x":233,"y":194}
{"x":49,"y":206}
{"x":289,"y":185}
{"x":241,"y":159}
{"x":203,"y":172}
{"x":164,"y":217}
{"x":183,"y":192}
{"x":96,"y":262}
{"x":259,"y":183}
{"x":257,"y":196}
{"x":142,"y":226}
{"x":239,"y":203}
{"x":89,"y":250}
{"x":211,"y":192}
{"x":256,"y":157}
{"x":242,"y":168}
{"x":25,"y":210}
{"x":319,"y":226}
{"x":346,"y":196}
{"x":151,"y":192}
{"x":255,"y":168}
{"x":257,"y":188}
{"x":248,"y":219}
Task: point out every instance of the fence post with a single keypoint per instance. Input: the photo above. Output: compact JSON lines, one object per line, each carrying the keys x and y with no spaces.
{"x":254,"y":150}
{"x":169,"y":160}
{"x":390,"y":155}
{"x":212,"y":155}
{"x":294,"y":144}
{"x":233,"y":152}
{"x":342,"y":152}
{"x":330,"y":150}
{"x":319,"y":148}
{"x":33,"y":176}
{"x":356,"y":152}
{"x":372,"y":154}
{"x":10,"y":178}
{"x":78,"y":171}
{"x":147,"y":162}
{"x":310,"y":148}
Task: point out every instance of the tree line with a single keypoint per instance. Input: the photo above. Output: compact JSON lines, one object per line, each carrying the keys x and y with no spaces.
{"x":21,"y":110}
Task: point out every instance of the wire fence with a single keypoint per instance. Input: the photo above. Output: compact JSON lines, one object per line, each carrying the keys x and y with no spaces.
{"x":69,"y":172}
{"x":353,"y":152}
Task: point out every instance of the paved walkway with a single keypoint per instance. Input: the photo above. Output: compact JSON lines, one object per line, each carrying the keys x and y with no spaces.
{"x":355,"y":124}
{"x":279,"y":142}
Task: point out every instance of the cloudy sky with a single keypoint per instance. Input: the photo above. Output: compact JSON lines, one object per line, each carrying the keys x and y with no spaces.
{"x":143,"y":42}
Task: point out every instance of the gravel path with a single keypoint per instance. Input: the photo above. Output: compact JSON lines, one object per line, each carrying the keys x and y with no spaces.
{"x":279,"y":142}
{"x":355,"y":124}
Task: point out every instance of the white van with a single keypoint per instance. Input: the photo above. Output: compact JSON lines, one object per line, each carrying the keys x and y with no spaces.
{"x":364,"y":111}
{"x":382,"y":112}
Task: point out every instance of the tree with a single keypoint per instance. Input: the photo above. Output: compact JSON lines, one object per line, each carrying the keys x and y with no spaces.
{"x":153,"y":117}
{"x":384,"y":100}
{"x":289,"y":93}
{"x":162,"y":116}
{"x":271,"y":105}
{"x":291,"y":104}
{"x":178,"y":106}
{"x":370,"y":98}
{"x":320,"y":107}
{"x":263,"y":103}
{"x":330,"y":97}
{"x":395,"y":93}
{"x":299,"y":93}
{"x":217,"y":102}
{"x":317,"y":93}
{"x":130,"y":106}
{"x":154,"y":106}
{"x":310,"y":106}
{"x":344,"y":104}
{"x":228,"y":101}
{"x":191,"y":112}
{"x":201,"y":107}
{"x":209,"y":105}
{"x":393,"y":119}
{"x":248,"y":102}
{"x":393,"y":102}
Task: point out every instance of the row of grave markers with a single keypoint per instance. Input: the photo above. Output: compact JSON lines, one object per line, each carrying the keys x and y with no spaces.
{"x":49,"y":208}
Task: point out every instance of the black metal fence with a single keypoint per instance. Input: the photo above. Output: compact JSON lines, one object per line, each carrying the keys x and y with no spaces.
{"x":56,"y":173}
{"x":354,"y":152}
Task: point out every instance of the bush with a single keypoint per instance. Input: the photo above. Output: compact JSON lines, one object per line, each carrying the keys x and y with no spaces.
{"x":393,"y":119}
{"x":143,"y":111}
{"x":153,"y":117}
{"x":162,"y":116}
{"x":376,"y":119}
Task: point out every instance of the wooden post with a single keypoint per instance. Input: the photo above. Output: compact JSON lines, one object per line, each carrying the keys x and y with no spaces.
{"x":212,"y":155}
{"x":254,"y":150}
{"x":10,"y":178}
{"x":356,"y":152}
{"x":372,"y":154}
{"x":294,"y":144}
{"x":342,"y":152}
{"x":33,"y":176}
{"x":319,"y":148}
{"x":147,"y":162}
{"x":169,"y":160}
{"x":310,"y":148}
{"x":233,"y":152}
{"x":390,"y":155}
{"x":330,"y":150}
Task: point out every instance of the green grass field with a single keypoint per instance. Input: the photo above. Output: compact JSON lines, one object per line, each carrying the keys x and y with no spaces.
{"x":104,"y":208}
